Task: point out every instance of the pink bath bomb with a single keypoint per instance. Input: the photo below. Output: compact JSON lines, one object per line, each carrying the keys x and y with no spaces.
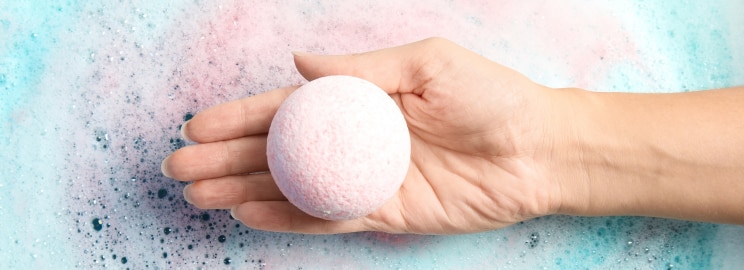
{"x":338,"y":148}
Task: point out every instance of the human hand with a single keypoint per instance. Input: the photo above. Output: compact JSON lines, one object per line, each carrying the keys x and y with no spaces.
{"x":479,"y":140}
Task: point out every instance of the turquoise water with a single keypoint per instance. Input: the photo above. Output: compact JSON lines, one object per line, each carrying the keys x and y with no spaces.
{"x":29,"y":32}
{"x":93,"y":94}
{"x":705,"y":60}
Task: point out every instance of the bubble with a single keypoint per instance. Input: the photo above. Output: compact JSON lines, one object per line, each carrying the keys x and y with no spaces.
{"x":97,"y":224}
{"x":533,"y":240}
{"x":177,"y":143}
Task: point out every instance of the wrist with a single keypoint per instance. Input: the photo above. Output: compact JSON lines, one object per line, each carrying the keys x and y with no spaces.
{"x":663,"y":155}
{"x":597,"y":161}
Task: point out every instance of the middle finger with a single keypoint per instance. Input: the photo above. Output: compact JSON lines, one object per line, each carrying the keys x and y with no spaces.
{"x":217,"y":159}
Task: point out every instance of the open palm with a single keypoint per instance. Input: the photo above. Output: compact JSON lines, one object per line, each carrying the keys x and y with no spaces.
{"x":477,"y":136}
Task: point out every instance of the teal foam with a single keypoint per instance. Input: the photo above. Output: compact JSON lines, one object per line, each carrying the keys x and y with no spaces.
{"x":26,"y":40}
{"x":692,"y":52}
{"x":24,"y":50}
{"x":703,"y":58}
{"x":687,"y":245}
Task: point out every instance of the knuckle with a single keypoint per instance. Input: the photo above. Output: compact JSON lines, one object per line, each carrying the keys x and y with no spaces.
{"x":437,"y":42}
{"x":434,"y":55}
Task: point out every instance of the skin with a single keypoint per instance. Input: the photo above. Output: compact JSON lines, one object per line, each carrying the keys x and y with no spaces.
{"x":489,"y":148}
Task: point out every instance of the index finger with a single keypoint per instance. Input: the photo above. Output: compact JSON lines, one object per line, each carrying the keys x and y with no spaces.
{"x":235,"y":119}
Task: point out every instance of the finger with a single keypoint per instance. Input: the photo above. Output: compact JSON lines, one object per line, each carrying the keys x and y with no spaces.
{"x":228,"y":191}
{"x":396,"y":70}
{"x":243,"y":117}
{"x":217,"y":159}
{"x":282,"y":216}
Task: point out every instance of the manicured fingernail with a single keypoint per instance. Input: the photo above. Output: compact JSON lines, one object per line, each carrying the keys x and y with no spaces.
{"x":232,"y":212}
{"x":164,"y":167}
{"x":186,"y":194}
{"x":183,"y":131}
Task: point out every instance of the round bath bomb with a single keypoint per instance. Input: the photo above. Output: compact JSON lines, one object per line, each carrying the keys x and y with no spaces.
{"x":338,"y":148}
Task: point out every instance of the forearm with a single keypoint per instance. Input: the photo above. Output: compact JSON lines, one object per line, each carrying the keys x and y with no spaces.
{"x":666,"y":155}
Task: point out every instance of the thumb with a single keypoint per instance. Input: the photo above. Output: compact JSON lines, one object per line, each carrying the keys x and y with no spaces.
{"x":396,"y":70}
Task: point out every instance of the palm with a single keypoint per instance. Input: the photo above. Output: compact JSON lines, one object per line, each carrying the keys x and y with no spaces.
{"x":435,"y":200}
{"x":464,"y":176}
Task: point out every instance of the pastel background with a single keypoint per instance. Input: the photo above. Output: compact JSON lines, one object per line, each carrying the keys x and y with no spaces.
{"x":92,"y":94}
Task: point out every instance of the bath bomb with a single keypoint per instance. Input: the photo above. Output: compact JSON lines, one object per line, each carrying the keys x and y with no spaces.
{"x":338,"y":148}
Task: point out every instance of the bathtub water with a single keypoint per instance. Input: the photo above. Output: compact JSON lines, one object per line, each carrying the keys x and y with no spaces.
{"x":92,"y":96}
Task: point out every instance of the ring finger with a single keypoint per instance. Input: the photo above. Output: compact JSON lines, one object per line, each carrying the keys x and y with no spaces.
{"x":225,"y":192}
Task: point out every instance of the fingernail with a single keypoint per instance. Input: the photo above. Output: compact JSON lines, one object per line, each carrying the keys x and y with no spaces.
{"x":298,"y":53}
{"x":164,"y":167}
{"x":232,"y":213}
{"x":183,"y":131}
{"x":186,"y":194}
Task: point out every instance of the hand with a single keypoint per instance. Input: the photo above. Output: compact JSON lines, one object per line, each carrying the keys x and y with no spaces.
{"x":478,"y":135}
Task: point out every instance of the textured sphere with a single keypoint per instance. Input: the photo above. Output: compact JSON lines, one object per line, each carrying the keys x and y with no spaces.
{"x":338,"y":148}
